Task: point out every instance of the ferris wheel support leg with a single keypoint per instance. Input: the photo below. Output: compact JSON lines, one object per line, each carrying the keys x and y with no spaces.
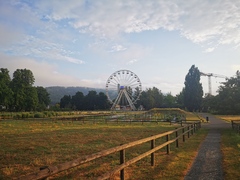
{"x":129,"y":100}
{"x":117,"y":100}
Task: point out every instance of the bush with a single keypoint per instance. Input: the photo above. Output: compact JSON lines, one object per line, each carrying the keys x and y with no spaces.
{"x":38,"y":115}
{"x":25,"y":115}
{"x":18,"y":116}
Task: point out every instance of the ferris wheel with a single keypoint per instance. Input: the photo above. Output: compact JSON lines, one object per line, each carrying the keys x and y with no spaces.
{"x":123,"y":89}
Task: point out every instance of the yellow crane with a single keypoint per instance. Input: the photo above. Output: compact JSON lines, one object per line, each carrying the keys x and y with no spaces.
{"x":209,"y":75}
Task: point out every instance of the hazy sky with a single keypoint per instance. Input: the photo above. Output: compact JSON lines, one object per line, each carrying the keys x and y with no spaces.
{"x":82,"y":42}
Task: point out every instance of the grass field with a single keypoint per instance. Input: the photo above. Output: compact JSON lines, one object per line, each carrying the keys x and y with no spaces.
{"x":27,"y":145}
{"x":229,"y":117}
{"x":230,"y":147}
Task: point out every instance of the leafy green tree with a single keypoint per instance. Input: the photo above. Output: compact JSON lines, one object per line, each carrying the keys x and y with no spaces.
{"x":78,"y":101}
{"x":208,"y":103}
{"x":66,"y":102}
{"x":102,"y":101}
{"x":43,"y":98}
{"x":229,"y":96}
{"x":22,"y":87}
{"x":31,"y":99}
{"x":180,"y":99}
{"x":169,"y":101}
{"x":193,"y":91}
{"x":6,"y":93}
{"x":90,"y":100}
{"x":151,"y":98}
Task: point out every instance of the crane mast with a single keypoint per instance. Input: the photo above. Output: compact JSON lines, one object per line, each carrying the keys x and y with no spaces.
{"x":209,"y":75}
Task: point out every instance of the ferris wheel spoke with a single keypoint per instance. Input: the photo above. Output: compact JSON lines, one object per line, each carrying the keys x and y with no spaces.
{"x":113,"y":83}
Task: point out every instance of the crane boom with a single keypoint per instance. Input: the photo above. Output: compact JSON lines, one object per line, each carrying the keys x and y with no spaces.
{"x":209,"y":75}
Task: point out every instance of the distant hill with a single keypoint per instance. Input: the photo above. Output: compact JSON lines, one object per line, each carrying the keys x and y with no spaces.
{"x":57,"y":92}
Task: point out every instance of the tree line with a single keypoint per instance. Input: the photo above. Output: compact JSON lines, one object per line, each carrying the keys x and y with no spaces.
{"x":227,"y":101}
{"x":91,"y":101}
{"x":19,"y":94}
{"x":150,"y":98}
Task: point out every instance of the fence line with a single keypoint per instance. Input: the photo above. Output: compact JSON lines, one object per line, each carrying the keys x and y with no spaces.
{"x":179,"y":132}
{"x":236,"y":126}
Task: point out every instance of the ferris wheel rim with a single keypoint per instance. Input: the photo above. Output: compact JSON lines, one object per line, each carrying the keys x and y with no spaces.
{"x":129,"y":80}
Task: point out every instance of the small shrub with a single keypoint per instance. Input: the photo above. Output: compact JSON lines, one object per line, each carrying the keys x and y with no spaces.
{"x":17,"y":116}
{"x":38,"y":115}
{"x":25,"y":115}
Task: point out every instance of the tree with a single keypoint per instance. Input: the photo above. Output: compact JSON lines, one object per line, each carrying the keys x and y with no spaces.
{"x":193,"y":90}
{"x":169,"y":101}
{"x":65,"y":101}
{"x":180,"y":99}
{"x":22,"y":87}
{"x":102,"y":101}
{"x":43,"y":98}
{"x":31,"y":99}
{"x":90,"y":100}
{"x":229,"y":95}
{"x":151,"y":98}
{"x":78,"y":101}
{"x":5,"y":90}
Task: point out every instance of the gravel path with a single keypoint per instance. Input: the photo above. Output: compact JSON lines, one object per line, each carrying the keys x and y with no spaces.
{"x":208,"y":163}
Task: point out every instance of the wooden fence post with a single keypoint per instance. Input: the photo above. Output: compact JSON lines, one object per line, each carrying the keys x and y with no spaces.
{"x":191,"y":129}
{"x":177,"y":138}
{"x":183,"y":136}
{"x":188,"y":131}
{"x":122,"y":160}
{"x":152,"y":155}
{"x":168,"y":146}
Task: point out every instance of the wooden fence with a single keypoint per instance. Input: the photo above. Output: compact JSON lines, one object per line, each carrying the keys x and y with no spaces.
{"x":182,"y":132}
{"x":107,"y":119}
{"x":236,"y":126}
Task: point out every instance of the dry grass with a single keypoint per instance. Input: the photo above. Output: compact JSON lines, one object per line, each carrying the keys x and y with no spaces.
{"x":229,"y":117}
{"x":230,"y":146}
{"x":27,"y":145}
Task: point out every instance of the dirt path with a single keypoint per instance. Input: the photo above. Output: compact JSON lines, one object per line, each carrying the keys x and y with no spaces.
{"x":208,"y":163}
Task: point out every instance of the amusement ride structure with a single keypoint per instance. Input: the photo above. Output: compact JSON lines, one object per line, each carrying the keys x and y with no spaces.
{"x":123,"y":89}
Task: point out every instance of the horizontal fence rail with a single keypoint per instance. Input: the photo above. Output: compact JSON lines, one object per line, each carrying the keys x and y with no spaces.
{"x":186,"y":130}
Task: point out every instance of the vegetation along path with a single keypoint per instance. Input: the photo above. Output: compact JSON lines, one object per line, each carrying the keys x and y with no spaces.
{"x":208,"y":163}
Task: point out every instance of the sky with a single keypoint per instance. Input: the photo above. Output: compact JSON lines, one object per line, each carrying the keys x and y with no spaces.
{"x":83,"y":42}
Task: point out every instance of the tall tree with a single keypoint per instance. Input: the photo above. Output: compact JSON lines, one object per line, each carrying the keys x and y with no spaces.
{"x":66,"y":101}
{"x":78,"y":101}
{"x":22,"y":87}
{"x":5,"y":90}
{"x":102,"y":101}
{"x":91,"y":100}
{"x":193,"y":90}
{"x":43,"y":98}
